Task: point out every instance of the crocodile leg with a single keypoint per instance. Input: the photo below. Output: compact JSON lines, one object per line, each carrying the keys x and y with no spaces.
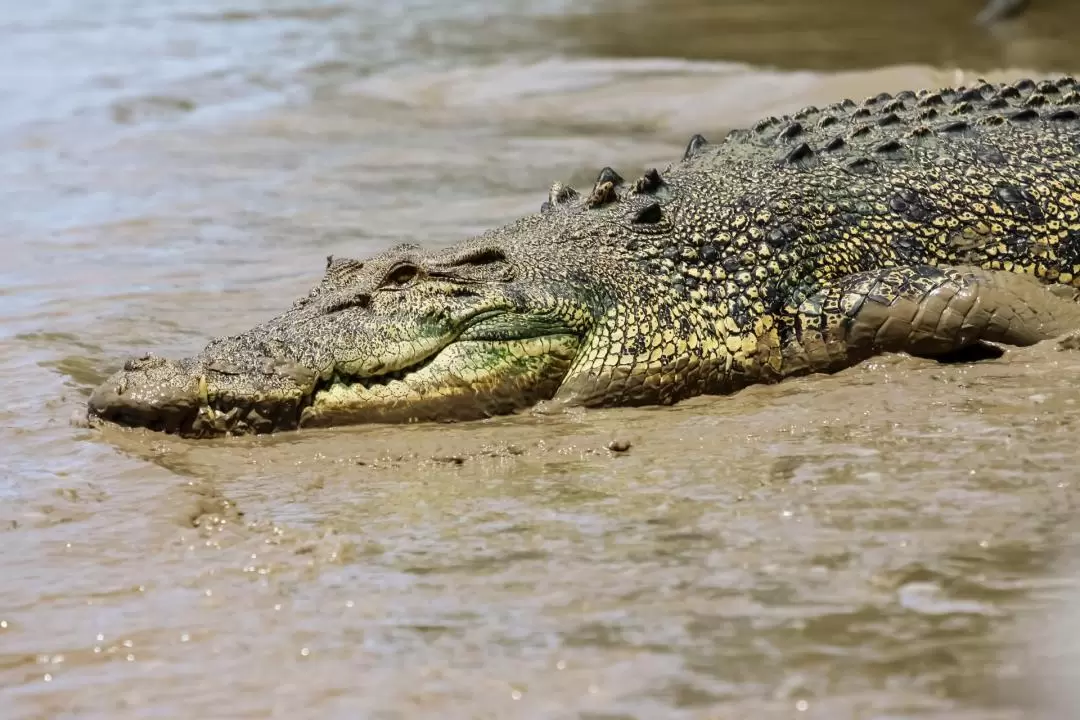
{"x":922,"y":310}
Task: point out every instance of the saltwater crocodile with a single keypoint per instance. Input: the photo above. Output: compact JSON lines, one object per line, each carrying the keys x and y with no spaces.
{"x":927,"y":222}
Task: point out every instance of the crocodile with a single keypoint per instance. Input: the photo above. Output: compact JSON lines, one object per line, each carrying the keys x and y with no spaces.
{"x":936,"y":223}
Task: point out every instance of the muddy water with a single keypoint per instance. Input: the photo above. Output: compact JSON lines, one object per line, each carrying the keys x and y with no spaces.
{"x":889,"y":542}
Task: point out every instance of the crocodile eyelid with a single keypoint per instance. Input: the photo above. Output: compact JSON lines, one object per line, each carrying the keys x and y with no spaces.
{"x":400,"y":276}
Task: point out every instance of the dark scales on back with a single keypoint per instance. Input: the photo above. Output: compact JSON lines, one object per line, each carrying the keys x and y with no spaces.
{"x":821,"y":238}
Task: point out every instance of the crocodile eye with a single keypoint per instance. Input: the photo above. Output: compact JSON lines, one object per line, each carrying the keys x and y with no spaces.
{"x":401,"y":276}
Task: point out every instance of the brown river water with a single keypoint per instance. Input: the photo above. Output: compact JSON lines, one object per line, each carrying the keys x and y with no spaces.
{"x":895,"y":541}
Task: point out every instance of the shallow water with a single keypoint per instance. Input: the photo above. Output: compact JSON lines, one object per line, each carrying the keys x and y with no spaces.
{"x":889,"y":542}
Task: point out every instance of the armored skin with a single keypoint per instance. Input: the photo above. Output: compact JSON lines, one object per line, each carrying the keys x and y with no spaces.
{"x":929,"y":222}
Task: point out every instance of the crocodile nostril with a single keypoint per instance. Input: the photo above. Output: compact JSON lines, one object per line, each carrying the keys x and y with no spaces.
{"x":158,"y":394}
{"x":144,"y":362}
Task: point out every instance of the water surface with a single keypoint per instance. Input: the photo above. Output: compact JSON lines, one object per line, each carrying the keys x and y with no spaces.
{"x":884,"y":543}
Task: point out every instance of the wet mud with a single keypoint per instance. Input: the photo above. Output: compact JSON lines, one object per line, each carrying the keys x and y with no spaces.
{"x":896,"y":540}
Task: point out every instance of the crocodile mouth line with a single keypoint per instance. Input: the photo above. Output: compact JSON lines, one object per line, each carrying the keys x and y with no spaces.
{"x":207,"y":413}
{"x":224,"y":414}
{"x":372,"y":381}
{"x":324,"y":383}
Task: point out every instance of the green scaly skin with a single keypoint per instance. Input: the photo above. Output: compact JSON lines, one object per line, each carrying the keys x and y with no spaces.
{"x":928,"y":222}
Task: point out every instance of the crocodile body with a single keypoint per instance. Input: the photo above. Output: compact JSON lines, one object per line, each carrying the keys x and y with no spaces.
{"x":926,"y":222}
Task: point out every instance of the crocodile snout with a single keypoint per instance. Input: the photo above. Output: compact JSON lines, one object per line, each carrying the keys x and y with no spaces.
{"x":149,"y":392}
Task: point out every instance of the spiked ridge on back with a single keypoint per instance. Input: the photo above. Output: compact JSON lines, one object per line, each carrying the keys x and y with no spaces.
{"x":882,"y":125}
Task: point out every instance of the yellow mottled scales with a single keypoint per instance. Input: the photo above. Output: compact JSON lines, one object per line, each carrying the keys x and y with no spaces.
{"x":929,"y":222}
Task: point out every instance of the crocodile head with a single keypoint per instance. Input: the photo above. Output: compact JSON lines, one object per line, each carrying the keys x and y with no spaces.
{"x":487,"y":327}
